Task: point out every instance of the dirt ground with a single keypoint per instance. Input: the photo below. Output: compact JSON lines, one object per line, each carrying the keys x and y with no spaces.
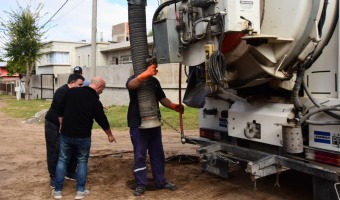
{"x":23,"y":170}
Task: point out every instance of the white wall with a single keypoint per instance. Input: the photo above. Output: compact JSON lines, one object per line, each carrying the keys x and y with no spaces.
{"x":116,"y":76}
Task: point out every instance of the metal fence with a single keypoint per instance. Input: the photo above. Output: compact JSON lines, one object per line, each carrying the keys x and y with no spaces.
{"x":47,"y":86}
{"x":12,"y":87}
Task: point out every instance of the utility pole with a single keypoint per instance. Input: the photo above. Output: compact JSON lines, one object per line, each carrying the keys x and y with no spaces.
{"x":94,"y":39}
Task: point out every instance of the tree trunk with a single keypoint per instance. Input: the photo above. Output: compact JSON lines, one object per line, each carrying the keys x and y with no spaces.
{"x":27,"y":82}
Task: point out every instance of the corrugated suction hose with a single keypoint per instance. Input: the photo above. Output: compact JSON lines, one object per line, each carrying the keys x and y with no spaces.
{"x":139,"y":48}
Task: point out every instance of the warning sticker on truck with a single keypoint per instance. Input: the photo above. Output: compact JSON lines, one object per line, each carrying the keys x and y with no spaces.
{"x":336,"y":140}
{"x":246,"y":4}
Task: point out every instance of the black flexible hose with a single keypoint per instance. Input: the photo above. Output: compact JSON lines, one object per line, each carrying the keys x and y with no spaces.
{"x":322,"y":17}
{"x":295,"y":93}
{"x":306,"y":117}
{"x":160,"y":8}
{"x":217,"y":64}
{"x":139,"y":50}
{"x":217,"y":68}
{"x":313,"y":100}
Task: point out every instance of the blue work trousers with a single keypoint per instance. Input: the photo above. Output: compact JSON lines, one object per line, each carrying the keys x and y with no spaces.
{"x":148,"y":140}
{"x":82,"y":148}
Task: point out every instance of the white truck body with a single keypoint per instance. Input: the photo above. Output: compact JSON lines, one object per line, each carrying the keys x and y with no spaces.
{"x":263,"y":74}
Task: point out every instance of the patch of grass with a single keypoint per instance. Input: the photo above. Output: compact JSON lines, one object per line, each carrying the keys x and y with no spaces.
{"x":24,"y":109}
{"x":117,"y":115}
{"x":190,"y":118}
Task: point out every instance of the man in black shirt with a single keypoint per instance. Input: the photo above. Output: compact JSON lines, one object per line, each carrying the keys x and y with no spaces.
{"x":150,"y":139}
{"x":76,"y":112}
{"x":52,"y":128}
{"x":79,"y":70}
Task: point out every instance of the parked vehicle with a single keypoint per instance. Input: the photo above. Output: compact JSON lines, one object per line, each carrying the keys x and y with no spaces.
{"x":264,"y":74}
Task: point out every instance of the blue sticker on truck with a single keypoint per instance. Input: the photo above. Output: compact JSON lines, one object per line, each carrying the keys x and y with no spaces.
{"x":322,"y":137}
{"x":223,"y":122}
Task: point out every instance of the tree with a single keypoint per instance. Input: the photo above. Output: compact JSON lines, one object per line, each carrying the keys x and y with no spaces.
{"x":22,"y":40}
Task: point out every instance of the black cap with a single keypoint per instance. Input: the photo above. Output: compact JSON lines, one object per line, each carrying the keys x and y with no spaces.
{"x":78,"y":70}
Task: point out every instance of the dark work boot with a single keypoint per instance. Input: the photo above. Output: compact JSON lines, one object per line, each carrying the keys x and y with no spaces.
{"x":139,"y":191}
{"x":170,"y":186}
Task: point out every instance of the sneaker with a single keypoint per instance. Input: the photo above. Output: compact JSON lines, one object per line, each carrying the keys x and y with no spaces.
{"x":71,"y":177}
{"x":82,"y":195}
{"x":170,"y":186}
{"x":57,"y":194}
{"x":139,"y":191}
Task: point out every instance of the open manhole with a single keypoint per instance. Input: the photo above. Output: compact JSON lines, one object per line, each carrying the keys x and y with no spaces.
{"x":182,"y":159}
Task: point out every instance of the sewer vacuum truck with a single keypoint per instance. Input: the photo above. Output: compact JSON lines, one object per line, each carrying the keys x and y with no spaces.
{"x":264,"y":76}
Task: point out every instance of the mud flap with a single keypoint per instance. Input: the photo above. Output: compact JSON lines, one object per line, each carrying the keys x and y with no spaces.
{"x":216,"y":167}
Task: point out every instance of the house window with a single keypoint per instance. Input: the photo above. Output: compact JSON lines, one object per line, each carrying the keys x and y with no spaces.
{"x":114,"y":61}
{"x":58,"y":58}
{"x":125,"y":59}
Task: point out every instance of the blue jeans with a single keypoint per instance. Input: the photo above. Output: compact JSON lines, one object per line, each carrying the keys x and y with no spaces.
{"x":82,"y":148}
{"x":148,"y":141}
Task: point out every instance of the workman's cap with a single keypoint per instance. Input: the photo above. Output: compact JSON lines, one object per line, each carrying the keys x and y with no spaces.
{"x":78,"y":69}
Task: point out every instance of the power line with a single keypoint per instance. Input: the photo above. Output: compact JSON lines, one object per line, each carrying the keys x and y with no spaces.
{"x":69,"y":10}
{"x":55,"y":13}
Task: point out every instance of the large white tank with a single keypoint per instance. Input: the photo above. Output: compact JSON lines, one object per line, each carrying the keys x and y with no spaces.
{"x":263,"y":39}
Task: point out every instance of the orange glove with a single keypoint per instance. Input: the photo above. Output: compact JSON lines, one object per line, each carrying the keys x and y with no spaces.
{"x":177,"y":107}
{"x":150,"y":71}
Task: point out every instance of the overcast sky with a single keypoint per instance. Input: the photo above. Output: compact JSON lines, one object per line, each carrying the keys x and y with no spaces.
{"x":74,"y":20}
